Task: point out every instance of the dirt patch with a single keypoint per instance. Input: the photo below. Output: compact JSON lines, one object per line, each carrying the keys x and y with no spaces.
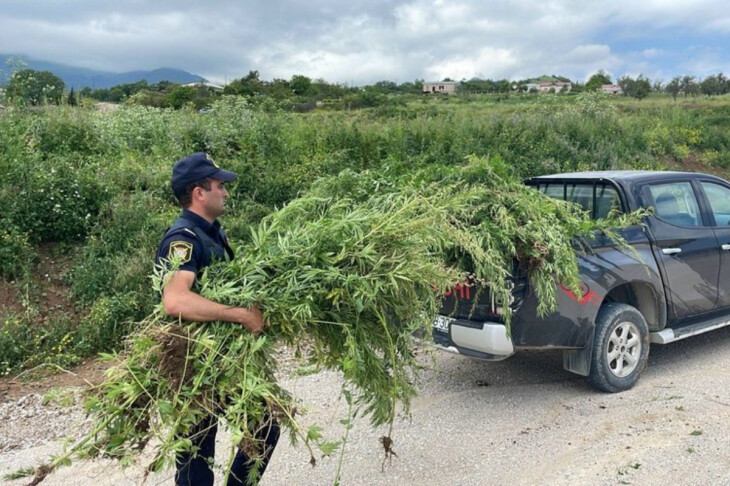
{"x":53,"y":291}
{"x":44,"y":379}
{"x":693,"y":163}
{"x":9,"y":301}
{"x":45,"y":294}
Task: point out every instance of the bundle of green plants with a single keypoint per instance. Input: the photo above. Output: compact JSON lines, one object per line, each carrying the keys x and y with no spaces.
{"x":348,"y":274}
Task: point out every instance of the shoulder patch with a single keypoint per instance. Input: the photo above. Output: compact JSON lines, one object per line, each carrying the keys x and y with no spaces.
{"x":182,"y":250}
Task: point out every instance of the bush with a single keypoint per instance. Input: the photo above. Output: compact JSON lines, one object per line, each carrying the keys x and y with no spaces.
{"x":56,"y":200}
{"x":106,"y":323}
{"x":25,"y":343}
{"x":119,"y":255}
{"x":16,"y":344}
{"x":63,"y":132}
{"x":16,"y":253}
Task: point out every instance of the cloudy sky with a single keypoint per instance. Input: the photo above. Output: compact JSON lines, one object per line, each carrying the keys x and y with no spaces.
{"x":360,"y":42}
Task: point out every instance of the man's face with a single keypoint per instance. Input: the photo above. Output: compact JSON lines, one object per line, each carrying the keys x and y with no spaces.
{"x":215,"y":199}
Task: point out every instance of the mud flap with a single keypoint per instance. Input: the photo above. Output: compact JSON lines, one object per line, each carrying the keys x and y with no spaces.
{"x":579,"y":360}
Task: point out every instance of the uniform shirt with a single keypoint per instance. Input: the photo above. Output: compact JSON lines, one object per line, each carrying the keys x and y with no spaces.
{"x":195,"y":257}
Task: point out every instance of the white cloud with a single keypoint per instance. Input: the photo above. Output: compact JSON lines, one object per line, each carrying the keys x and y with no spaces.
{"x":652,"y":53}
{"x":588,"y":54}
{"x":366,"y":41}
{"x":486,"y":63}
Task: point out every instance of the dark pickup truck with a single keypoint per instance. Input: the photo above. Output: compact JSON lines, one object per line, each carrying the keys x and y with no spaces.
{"x":677,"y":288}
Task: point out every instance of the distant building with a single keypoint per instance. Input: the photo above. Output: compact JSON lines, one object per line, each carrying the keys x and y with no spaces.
{"x":443,"y":87}
{"x":206,"y":84}
{"x":612,"y":89}
{"x":555,"y":86}
{"x":547,"y":87}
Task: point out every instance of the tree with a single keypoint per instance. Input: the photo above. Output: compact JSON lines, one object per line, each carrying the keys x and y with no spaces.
{"x":641,"y":88}
{"x":638,"y":88}
{"x":503,"y":86}
{"x":279,"y":89}
{"x":384,"y":87}
{"x":180,"y":95}
{"x":674,"y":87}
{"x":148,"y":97}
{"x":72,"y":101}
{"x":626,"y":83}
{"x":411,"y":87}
{"x":31,"y":87}
{"x":248,"y":85}
{"x":712,"y":85}
{"x":689,"y":86}
{"x":597,"y":80}
{"x":301,"y":85}
{"x":724,"y":83}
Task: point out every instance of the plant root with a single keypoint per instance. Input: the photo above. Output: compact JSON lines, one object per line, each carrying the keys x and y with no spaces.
{"x":387,"y":449}
{"x":41,"y":473}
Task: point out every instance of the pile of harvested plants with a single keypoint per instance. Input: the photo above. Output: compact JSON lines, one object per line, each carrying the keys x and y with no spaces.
{"x":353,"y":268}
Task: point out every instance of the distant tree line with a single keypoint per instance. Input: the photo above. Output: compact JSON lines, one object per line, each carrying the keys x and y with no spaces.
{"x":301,"y":93}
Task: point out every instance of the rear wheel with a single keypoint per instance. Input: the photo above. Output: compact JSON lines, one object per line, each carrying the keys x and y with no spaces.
{"x":620,"y":348}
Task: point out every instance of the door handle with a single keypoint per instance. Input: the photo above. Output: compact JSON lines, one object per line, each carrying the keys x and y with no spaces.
{"x":725,"y":246}
{"x":671,"y":251}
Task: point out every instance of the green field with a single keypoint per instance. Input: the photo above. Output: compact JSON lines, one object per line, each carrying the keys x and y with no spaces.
{"x":85,"y":197}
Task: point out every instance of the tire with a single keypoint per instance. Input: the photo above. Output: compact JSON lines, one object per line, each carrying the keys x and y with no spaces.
{"x":620,"y":348}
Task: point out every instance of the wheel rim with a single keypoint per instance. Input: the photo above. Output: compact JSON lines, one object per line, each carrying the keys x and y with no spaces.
{"x":624,"y":349}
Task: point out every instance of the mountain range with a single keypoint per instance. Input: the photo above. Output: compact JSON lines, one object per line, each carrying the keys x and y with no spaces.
{"x":77,"y":77}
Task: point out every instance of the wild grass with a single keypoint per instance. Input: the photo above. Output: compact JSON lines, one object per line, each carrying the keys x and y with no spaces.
{"x":97,"y":183}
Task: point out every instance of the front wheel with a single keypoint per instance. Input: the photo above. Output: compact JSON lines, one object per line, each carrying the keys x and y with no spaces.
{"x":620,"y":348}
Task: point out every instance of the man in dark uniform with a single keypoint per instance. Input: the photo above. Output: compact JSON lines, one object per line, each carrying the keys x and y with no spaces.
{"x":196,"y":239}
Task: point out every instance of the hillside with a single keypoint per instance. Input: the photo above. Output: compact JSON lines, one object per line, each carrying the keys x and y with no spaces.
{"x":77,"y":77}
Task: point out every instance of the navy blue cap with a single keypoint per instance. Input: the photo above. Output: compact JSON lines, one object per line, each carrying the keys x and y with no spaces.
{"x":196,"y":167}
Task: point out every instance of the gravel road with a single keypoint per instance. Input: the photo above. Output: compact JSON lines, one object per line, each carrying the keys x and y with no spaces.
{"x":522,"y":421}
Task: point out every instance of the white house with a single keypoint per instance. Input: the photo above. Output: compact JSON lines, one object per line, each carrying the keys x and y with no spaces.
{"x":546,"y":87}
{"x":612,"y":89}
{"x":443,"y":87}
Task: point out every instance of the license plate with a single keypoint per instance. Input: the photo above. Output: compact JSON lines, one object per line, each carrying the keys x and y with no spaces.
{"x":442,"y":323}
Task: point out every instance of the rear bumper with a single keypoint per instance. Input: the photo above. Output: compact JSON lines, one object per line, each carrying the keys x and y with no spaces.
{"x":483,"y":340}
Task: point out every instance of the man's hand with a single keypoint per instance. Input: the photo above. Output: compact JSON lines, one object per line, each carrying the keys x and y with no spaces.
{"x":251,"y":318}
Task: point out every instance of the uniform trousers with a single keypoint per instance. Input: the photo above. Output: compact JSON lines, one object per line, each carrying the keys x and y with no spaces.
{"x":194,"y":469}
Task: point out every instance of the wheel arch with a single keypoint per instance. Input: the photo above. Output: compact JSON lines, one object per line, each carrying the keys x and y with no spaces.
{"x":641,"y":295}
{"x":644,"y":298}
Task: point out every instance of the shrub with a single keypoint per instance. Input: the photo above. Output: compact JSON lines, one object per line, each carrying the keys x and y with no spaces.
{"x":25,"y":343}
{"x":16,"y":344}
{"x":53,"y":201}
{"x":119,"y":254}
{"x":63,"y":132}
{"x":106,"y":323}
{"x":16,"y":252}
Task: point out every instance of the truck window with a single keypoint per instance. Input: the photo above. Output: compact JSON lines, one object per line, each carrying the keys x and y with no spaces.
{"x":607,"y":200}
{"x":598,"y":199}
{"x":581,"y":194}
{"x":675,"y":203}
{"x":555,"y":191}
{"x":719,"y":197}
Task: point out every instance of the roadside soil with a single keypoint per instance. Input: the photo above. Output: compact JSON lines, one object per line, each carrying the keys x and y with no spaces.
{"x":522,"y":421}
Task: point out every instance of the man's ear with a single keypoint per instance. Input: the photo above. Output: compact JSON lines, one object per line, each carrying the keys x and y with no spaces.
{"x":198,"y":193}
